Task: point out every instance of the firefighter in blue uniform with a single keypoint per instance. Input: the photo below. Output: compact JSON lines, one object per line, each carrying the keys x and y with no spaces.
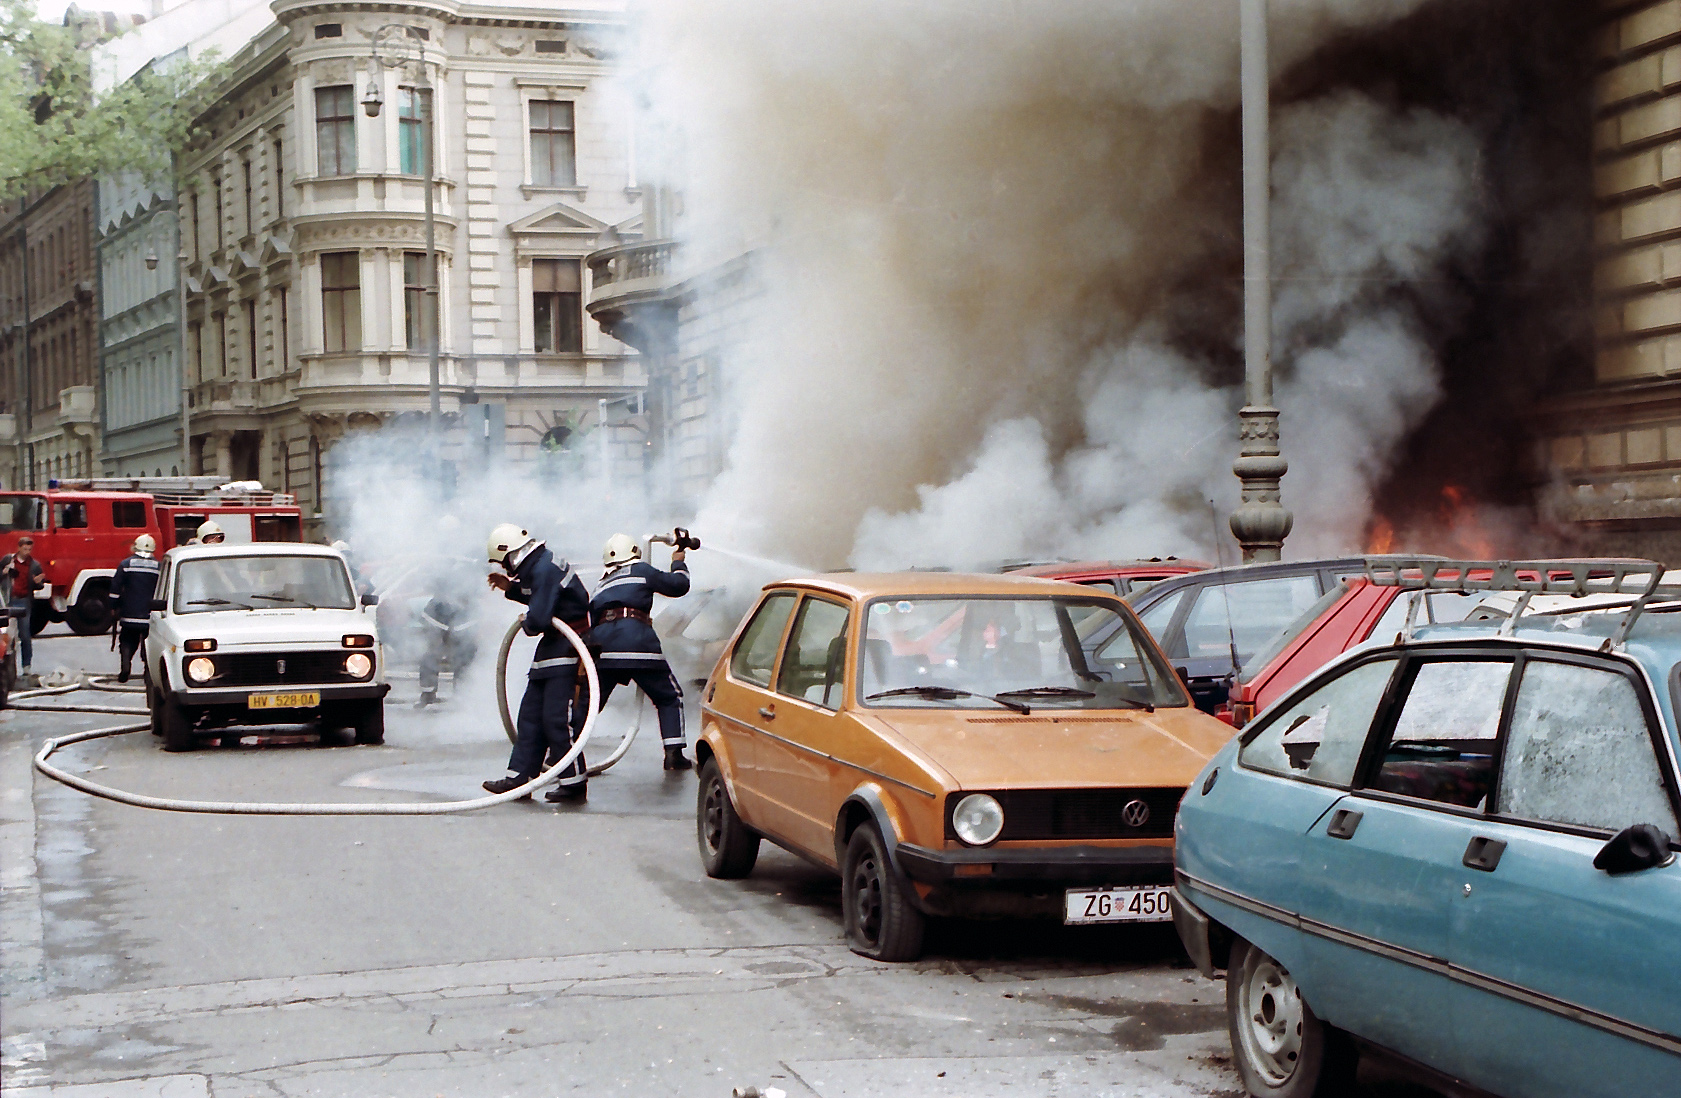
{"x":132,"y":587}
{"x":550,"y":589}
{"x":623,"y":638}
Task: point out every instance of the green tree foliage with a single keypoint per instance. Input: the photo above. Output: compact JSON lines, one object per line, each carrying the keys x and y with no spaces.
{"x":54,"y":127}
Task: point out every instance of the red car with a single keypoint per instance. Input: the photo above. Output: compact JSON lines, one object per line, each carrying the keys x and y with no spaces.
{"x":1351,"y":613}
{"x":1123,"y":577}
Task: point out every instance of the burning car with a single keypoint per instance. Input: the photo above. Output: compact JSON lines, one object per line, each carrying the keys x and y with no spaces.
{"x":952,"y":745}
{"x":1125,"y":578}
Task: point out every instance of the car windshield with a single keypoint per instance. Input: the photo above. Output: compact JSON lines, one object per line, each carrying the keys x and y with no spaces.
{"x":954,"y":652}
{"x":262,"y":583}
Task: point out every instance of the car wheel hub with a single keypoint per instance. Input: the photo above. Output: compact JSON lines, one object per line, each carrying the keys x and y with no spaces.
{"x":1271,"y":1026}
{"x":714,"y":816}
{"x":867,"y":888}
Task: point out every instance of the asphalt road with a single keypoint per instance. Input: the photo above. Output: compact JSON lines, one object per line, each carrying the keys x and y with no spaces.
{"x":522,"y":950}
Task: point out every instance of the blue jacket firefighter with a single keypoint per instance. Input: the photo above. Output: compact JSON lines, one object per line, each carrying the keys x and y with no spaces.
{"x":549,"y":589}
{"x":623,"y":639}
{"x":132,"y":587}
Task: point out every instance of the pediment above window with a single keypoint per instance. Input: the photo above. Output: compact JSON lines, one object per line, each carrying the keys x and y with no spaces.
{"x":557,"y":230}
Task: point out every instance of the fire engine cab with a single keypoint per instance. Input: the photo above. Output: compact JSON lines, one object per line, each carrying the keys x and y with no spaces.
{"x":84,"y":528}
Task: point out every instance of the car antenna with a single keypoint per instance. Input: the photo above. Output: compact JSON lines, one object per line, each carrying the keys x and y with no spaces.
{"x":1220,"y":559}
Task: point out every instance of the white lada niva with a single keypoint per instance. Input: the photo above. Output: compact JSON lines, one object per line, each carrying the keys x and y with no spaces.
{"x":262,"y":634}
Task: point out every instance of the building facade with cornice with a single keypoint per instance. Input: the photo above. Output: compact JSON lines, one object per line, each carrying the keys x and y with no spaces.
{"x":301,"y":219}
{"x":49,"y":337}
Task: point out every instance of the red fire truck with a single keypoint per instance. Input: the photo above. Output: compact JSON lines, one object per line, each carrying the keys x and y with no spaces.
{"x":84,"y":528}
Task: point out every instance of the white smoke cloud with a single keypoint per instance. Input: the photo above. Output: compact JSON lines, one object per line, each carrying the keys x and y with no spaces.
{"x":983,"y":233}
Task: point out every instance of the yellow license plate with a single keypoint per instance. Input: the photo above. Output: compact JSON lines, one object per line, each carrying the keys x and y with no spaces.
{"x":283,"y":701}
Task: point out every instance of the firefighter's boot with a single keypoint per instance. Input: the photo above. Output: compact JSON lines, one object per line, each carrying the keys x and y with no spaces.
{"x":676,"y":760}
{"x":503,"y":785}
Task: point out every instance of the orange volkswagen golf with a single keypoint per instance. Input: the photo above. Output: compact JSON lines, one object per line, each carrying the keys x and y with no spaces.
{"x":952,"y":744}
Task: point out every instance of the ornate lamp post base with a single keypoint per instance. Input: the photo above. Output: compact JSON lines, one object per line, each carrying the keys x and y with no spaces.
{"x":1261,"y":524}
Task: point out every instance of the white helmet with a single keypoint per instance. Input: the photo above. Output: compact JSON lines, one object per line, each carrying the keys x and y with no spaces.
{"x":620,"y":550}
{"x":508,"y":543}
{"x":145,"y":544}
{"x":208,"y":529}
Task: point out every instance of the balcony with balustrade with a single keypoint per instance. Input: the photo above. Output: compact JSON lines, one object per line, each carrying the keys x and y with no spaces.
{"x":633,"y":293}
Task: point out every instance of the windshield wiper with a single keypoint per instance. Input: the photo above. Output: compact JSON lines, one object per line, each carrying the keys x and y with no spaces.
{"x":946,"y":693}
{"x":1048,"y":692}
{"x":276,"y":598}
{"x":217,"y":602}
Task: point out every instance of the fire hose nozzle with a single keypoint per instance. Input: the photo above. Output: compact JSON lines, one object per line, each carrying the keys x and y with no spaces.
{"x":682,"y":539}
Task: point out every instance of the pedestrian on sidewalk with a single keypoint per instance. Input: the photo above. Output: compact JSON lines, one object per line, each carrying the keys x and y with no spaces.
{"x":22,"y":576}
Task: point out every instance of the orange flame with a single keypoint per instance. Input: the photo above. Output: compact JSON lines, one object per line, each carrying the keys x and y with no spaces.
{"x":1462,"y":527}
{"x":1381,"y":537}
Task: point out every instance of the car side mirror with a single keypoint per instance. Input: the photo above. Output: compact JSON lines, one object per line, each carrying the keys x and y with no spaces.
{"x":1643,"y":846}
{"x":159,"y":605}
{"x":370,"y":599}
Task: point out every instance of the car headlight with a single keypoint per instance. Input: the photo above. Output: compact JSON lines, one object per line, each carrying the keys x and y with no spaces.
{"x":201,"y":669}
{"x":978,"y":819}
{"x":358,"y":665}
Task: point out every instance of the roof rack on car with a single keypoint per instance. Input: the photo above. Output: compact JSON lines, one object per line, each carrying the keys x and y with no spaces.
{"x":1576,"y":577}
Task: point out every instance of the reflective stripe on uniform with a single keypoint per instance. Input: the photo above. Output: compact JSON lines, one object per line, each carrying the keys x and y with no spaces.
{"x":558,"y":661}
{"x":622,"y":581}
{"x":633,"y":656}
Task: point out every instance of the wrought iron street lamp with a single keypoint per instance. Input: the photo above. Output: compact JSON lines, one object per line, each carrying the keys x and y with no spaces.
{"x":395,"y":46}
{"x":1260,"y":523}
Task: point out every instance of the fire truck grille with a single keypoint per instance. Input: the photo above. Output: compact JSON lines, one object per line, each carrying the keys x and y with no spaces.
{"x":280,"y":669}
{"x":1031,"y":814}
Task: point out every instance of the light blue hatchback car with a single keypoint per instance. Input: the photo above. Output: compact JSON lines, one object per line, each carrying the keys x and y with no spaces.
{"x":1457,"y":848}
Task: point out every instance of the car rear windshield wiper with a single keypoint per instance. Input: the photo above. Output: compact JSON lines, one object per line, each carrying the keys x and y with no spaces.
{"x":946,"y":693}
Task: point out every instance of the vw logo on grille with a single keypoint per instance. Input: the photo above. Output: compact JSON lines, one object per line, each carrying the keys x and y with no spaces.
{"x":1135,"y":814}
{"x":280,"y":669}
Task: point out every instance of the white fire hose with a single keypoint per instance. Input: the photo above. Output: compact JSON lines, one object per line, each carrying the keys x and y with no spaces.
{"x":249,"y":808}
{"x":595,"y":703}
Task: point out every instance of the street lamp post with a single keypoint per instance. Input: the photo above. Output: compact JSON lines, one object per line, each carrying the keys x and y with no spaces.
{"x":1261,"y":522}
{"x":395,"y":44}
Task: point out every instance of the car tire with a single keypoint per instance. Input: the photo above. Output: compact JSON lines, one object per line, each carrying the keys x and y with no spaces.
{"x":92,"y":615}
{"x":1280,"y":1047}
{"x":154,"y":703}
{"x":881,"y":921}
{"x":728,"y":847}
{"x":370,"y":723}
{"x":177,"y":726}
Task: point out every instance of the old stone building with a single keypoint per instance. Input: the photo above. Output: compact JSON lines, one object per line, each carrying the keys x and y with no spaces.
{"x":49,"y":337}
{"x":139,"y":334}
{"x":301,"y":218}
{"x":1615,"y":449}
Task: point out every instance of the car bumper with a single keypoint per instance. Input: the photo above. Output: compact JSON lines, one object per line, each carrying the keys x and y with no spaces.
{"x":1192,"y":926}
{"x":1070,"y":866}
{"x":236,"y":696}
{"x":1024,"y":883}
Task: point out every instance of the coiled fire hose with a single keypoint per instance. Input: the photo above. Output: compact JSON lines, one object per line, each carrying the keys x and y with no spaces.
{"x":250,"y":808}
{"x":595,"y":701}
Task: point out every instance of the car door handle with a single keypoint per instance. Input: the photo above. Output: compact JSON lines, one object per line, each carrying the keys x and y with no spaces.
{"x":1483,"y":854}
{"x":768,"y":712}
{"x":1344,"y":823}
